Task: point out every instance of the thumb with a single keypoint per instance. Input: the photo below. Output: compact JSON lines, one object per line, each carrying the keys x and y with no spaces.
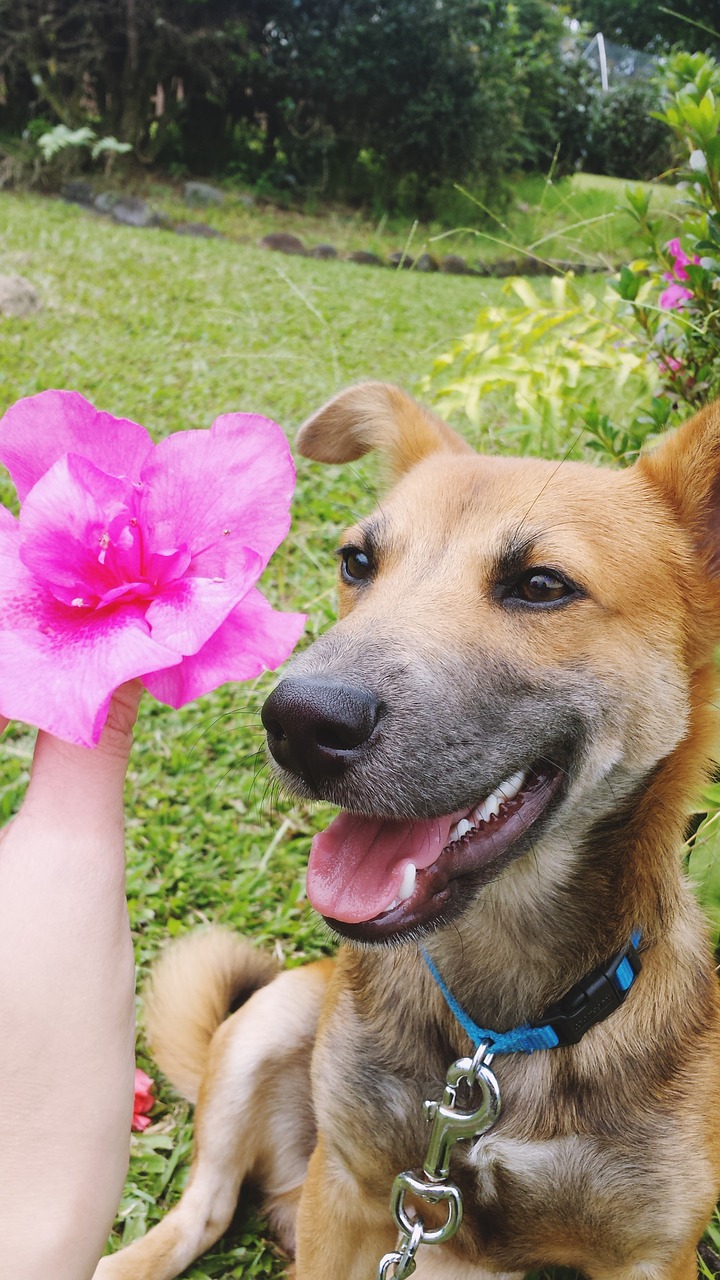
{"x":71,"y":782}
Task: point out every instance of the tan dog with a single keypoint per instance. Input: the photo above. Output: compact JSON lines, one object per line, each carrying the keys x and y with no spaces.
{"x":515,"y":714}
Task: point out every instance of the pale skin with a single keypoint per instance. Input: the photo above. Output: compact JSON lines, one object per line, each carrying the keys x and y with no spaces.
{"x":66,"y":1006}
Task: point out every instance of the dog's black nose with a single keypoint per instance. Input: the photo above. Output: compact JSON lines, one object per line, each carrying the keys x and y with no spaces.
{"x":317,"y":728}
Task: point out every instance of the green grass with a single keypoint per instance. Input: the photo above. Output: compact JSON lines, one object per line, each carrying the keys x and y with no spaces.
{"x":578,"y":219}
{"x":172,"y":332}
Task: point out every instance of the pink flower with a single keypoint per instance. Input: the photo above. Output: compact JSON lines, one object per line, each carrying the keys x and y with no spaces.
{"x":134,"y":559}
{"x":675,"y":296}
{"x":670,"y":365}
{"x":679,"y":273}
{"x":144,"y":1100}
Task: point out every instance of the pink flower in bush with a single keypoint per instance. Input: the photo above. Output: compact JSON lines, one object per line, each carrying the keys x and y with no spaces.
{"x":134,"y":559}
{"x":670,"y":365}
{"x":144,"y":1100}
{"x":680,"y":260}
{"x":675,"y":296}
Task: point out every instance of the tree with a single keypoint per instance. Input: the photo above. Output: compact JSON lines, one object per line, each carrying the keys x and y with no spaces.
{"x":647,"y":24}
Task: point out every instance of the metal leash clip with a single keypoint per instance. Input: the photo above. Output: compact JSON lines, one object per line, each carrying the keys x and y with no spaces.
{"x":450,"y":1124}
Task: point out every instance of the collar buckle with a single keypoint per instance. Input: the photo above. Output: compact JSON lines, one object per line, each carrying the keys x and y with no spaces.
{"x":596,"y":996}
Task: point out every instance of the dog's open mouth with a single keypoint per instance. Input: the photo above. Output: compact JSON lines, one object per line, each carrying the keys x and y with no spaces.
{"x":376,"y":878}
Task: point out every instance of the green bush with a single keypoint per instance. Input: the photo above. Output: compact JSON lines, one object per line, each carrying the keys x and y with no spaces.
{"x":524,"y":376}
{"x":673,"y":295}
{"x":625,"y":139}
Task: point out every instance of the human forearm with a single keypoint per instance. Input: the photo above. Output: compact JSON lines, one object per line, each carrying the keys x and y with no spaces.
{"x":66,"y":1011}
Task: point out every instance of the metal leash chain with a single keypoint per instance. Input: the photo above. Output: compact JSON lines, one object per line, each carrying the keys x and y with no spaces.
{"x":450,"y":1124}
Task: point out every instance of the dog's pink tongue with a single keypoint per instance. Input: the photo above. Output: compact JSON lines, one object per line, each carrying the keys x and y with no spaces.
{"x":356,"y":866}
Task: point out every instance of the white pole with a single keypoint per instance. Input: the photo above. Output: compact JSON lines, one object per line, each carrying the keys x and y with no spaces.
{"x":603,"y":61}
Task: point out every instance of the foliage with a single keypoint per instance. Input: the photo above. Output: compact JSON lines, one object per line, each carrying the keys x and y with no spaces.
{"x":645,"y":24}
{"x":624,"y":138}
{"x":373,"y":99}
{"x":704,"y":857}
{"x":622,"y":444}
{"x":59,"y":139}
{"x":674,"y":293}
{"x":541,"y":362}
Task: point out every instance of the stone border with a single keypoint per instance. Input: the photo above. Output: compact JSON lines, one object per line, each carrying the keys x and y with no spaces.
{"x":134,"y":212}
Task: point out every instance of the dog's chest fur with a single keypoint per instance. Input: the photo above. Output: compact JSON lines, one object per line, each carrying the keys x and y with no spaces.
{"x":578,"y":1140}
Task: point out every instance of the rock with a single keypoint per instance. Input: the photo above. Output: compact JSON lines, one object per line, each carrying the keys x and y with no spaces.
{"x":105,"y":202}
{"x":200,"y":229}
{"x":324,"y":251}
{"x":202,"y":193}
{"x":453,"y":265}
{"x":364,"y":258}
{"x":502,"y":268}
{"x":18,"y":297}
{"x":426,"y":262}
{"x":282,"y":242}
{"x":401,"y":261}
{"x":577,"y":268}
{"x":78,"y":193}
{"x":133,"y":212}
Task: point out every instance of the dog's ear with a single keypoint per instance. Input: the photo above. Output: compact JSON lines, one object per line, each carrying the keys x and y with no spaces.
{"x":685,"y":467}
{"x":376,"y":415}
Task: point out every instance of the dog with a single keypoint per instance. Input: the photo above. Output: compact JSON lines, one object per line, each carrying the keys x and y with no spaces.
{"x":514,"y":714}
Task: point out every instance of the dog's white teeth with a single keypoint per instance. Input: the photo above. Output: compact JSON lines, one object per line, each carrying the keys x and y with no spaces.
{"x":512,"y":786}
{"x":489,"y":808}
{"x":492,"y":804}
{"x":408,"y":882}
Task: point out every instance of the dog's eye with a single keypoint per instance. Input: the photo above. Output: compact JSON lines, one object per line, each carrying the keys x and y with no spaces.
{"x":355,"y":565}
{"x":540,"y":586}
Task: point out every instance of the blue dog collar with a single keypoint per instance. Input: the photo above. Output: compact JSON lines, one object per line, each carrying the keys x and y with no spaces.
{"x":590,"y":1001}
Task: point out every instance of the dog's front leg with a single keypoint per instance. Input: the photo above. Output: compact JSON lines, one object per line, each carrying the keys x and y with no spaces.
{"x":341,"y":1231}
{"x":436,"y":1263}
{"x":683,"y":1266}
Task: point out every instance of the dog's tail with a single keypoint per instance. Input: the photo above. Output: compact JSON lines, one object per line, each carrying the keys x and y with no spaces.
{"x":193,"y":986}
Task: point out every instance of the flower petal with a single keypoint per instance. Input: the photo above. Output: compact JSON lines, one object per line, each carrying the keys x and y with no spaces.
{"x":254,"y":638}
{"x":187,"y":613}
{"x":144,"y":1100}
{"x":38,"y":430}
{"x":64,"y":520}
{"x":58,"y":666}
{"x":674,"y":297}
{"x":218,"y":489}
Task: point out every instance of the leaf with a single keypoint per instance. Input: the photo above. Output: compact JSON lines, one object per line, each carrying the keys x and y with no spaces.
{"x":704,"y":868}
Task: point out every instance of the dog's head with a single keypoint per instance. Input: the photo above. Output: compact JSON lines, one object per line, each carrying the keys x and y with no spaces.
{"x":520,"y":644}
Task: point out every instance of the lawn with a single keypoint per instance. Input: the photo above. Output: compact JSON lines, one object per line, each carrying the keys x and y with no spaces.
{"x":173,"y":331}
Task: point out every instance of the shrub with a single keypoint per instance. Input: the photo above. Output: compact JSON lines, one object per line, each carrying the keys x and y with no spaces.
{"x":534,"y":367}
{"x":673,"y":295}
{"x":625,"y":138}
